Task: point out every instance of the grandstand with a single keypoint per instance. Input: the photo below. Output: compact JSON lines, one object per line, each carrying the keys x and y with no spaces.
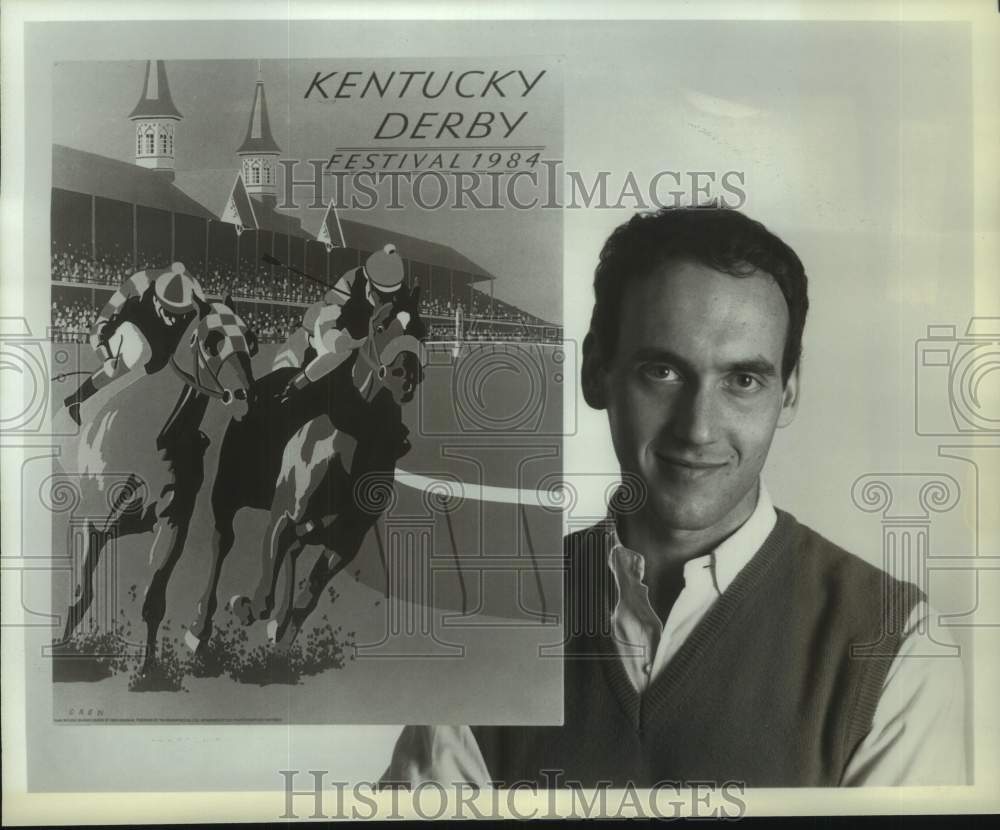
{"x":111,"y":218}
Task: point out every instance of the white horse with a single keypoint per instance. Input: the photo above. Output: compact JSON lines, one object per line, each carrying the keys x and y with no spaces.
{"x":140,"y":473}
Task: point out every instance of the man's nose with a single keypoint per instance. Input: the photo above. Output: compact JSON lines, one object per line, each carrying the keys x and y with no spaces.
{"x":692,"y":420}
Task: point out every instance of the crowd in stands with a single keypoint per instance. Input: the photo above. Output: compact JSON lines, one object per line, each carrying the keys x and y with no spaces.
{"x":479,"y":307}
{"x":436,"y":307}
{"x":486,"y":308}
{"x":436,"y":331}
{"x":481,"y":333}
{"x":517,"y":334}
{"x":71,"y":322}
{"x":271,"y":325}
{"x":257,"y":284}
{"x":73,"y":263}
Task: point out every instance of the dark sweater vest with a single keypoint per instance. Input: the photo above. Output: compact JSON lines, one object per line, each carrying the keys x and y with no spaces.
{"x":775,"y":686}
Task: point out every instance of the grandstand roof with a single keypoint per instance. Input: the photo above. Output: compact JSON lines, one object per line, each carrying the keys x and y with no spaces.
{"x":191,"y":190}
{"x":100,"y":176}
{"x":155,"y":101}
{"x":258,"y":138}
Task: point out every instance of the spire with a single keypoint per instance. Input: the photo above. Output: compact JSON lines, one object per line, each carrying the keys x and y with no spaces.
{"x":258,"y":138}
{"x":155,"y":101}
{"x":156,"y":119}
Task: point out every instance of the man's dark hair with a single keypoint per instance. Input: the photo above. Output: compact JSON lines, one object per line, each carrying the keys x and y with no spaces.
{"x":717,"y":237}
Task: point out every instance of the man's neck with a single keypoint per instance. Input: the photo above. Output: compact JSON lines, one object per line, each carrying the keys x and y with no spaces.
{"x":667,"y":549}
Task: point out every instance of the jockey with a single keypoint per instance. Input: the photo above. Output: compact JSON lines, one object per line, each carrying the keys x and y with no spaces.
{"x":325,"y":338}
{"x":141,"y":324}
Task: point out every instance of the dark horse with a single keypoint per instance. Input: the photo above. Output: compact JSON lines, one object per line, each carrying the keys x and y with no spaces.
{"x":166,"y":470}
{"x":318,"y":462}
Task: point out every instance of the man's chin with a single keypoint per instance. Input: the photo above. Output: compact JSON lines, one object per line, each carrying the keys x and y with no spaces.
{"x":688,"y":513}
{"x":689,"y":520}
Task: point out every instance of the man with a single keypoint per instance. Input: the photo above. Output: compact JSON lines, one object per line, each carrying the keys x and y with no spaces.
{"x":336,"y":325}
{"x":141,"y":325}
{"x":712,"y":637}
{"x":332,"y":329}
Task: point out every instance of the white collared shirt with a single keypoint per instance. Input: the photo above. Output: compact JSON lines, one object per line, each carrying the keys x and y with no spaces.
{"x":918,"y":730}
{"x":646,"y":644}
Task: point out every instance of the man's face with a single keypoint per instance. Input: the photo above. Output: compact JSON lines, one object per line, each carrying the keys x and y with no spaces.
{"x":166,"y":316}
{"x":382,"y":296}
{"x":694,"y":392}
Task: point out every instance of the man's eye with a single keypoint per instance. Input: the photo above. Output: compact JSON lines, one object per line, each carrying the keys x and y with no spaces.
{"x":659,"y":371}
{"x":743,"y":382}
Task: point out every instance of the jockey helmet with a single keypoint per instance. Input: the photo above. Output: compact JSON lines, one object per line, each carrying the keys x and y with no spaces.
{"x":176,"y":289}
{"x":385,"y":269}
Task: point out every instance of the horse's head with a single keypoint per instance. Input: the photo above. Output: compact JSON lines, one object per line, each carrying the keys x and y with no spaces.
{"x":220,"y":346}
{"x":394,"y":347}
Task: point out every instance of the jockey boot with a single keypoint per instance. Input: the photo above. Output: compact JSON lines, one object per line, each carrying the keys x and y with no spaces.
{"x":73,"y":402}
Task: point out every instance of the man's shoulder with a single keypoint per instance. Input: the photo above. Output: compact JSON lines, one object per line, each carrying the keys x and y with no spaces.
{"x":819,"y":558}
{"x":129,"y":308}
{"x":140,"y":281}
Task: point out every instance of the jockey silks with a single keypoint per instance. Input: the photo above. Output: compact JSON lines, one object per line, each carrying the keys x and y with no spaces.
{"x":162,"y":338}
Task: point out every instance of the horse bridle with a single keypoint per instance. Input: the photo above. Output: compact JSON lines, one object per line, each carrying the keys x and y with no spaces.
{"x":368,"y":354}
{"x":219,"y":392}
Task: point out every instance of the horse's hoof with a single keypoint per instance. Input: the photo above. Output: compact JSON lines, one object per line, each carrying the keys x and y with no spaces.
{"x":272,"y":631}
{"x":242,"y":608}
{"x":192,"y":642}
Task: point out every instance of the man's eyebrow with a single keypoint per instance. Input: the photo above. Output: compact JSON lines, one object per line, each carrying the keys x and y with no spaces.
{"x":755,"y":366}
{"x":667,"y":356}
{"x":758,"y":365}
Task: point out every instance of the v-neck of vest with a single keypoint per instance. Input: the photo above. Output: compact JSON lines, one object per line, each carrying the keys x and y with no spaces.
{"x":668,"y":687}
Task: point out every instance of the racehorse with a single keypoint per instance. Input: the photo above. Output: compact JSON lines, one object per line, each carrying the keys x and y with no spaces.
{"x":304,"y":460}
{"x":165,"y":470}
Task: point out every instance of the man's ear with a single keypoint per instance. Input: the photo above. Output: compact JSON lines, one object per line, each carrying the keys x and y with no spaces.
{"x":592,"y":373}
{"x":790,"y":399}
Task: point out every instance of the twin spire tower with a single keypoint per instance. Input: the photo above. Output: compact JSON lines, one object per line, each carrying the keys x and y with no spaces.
{"x":156,"y":119}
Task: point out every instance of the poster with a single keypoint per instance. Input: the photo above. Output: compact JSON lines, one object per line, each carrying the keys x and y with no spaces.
{"x":462,"y":459}
{"x":858,"y":136}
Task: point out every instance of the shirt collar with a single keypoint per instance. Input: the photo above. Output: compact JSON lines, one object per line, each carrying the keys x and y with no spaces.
{"x":726,"y":560}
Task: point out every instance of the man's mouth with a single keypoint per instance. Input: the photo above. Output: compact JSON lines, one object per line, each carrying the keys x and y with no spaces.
{"x":685,"y":467}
